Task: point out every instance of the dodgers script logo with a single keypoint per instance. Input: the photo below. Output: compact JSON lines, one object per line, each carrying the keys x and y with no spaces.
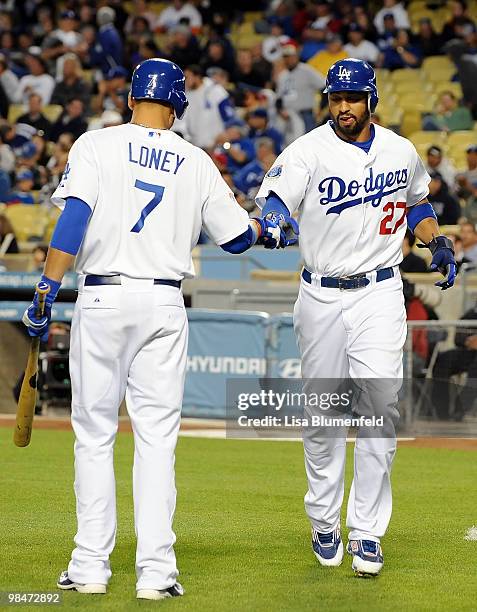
{"x":375,"y":187}
{"x":151,"y":86}
{"x":344,"y":74}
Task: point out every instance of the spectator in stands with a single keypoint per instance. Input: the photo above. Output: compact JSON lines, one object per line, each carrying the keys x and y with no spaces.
{"x":57,"y":162}
{"x":250,"y":177}
{"x":411,"y":261}
{"x":215,"y":55}
{"x":246,"y":72}
{"x":460,"y":22}
{"x":8,"y":79}
{"x":360,"y":48}
{"x":468,"y":235}
{"x":35,"y":117}
{"x":236,"y":144}
{"x":427,"y":38}
{"x":113,"y":92}
{"x":70,"y":121}
{"x":108,"y":49}
{"x":272,"y":45}
{"x":333,"y":52}
{"x":184,"y":48}
{"x":400,"y":53}
{"x":39,"y":257}
{"x":397,"y":10}
{"x":71,"y":85}
{"x":446,"y":206}
{"x":462,"y":359}
{"x":297,"y":87}
{"x":141,"y":10}
{"x":436,"y":162}
{"x":324,"y":18}
{"x":314,"y":41}
{"x":22,"y":194}
{"x":210,"y":107}
{"x":17,"y":135}
{"x":362,"y":18}
{"x":467,"y":184}
{"x":448,"y":115}
{"x":179,"y":12}
{"x":257,"y":121}
{"x":8,"y":241}
{"x":5,"y":185}
{"x":64,"y":39}
{"x":38,"y":81}
{"x":7,"y":156}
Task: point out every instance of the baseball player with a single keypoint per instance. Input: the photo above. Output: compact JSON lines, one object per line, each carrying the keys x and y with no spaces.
{"x":134,"y":198}
{"x":356,"y":187}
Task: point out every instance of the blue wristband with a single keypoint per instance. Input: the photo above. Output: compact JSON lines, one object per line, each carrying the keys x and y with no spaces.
{"x":417,"y":213}
{"x":54,"y":288}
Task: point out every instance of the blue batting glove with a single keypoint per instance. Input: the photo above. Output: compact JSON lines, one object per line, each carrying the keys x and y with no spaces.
{"x":443,"y":260}
{"x":38,"y":325}
{"x":270,"y":233}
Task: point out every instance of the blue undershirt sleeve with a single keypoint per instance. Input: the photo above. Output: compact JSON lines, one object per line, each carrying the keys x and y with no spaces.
{"x":240,"y":243}
{"x":71,"y":226}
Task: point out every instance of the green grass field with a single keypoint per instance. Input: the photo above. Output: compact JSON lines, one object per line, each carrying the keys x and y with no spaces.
{"x":243,"y":541}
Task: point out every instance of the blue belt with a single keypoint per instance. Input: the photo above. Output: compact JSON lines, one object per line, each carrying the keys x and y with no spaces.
{"x":349,"y":282}
{"x":94,"y":280}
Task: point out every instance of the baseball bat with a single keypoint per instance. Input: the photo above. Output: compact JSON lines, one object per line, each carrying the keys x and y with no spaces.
{"x":27,"y":399}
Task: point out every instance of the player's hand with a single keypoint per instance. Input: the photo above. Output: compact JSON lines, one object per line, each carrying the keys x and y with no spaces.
{"x":36,"y":322}
{"x":270,"y":233}
{"x":288,"y":226}
{"x":37,"y":325}
{"x":443,"y":260}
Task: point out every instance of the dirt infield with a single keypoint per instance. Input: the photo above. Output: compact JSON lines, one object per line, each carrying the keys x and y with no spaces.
{"x":201,"y":427}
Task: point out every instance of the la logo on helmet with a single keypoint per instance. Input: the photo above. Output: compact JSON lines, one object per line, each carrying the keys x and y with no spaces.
{"x":344,"y":74}
{"x":151,"y":86}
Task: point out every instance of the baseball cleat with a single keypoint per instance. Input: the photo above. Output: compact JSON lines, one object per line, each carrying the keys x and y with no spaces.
{"x":175,"y":590}
{"x":328,"y":547}
{"x":66,"y":584}
{"x":367,"y":557}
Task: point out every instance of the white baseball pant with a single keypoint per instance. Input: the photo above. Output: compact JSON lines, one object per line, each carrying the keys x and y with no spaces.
{"x":131,"y":340}
{"x":357,"y":334}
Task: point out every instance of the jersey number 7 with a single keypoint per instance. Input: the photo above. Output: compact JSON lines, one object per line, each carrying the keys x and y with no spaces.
{"x":158,"y":192}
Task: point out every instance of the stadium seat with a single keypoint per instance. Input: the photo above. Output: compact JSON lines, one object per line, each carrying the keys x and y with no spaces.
{"x":253,"y":16}
{"x":52,"y":111}
{"x":390,"y":117}
{"x":411,"y":121}
{"x":461,"y":139}
{"x":409,"y":87}
{"x":14,"y":111}
{"x":421,"y":101}
{"x":427,"y":139}
{"x":405,"y":74}
{"x":440,"y":86}
{"x":29,"y":221}
{"x":438,"y":67}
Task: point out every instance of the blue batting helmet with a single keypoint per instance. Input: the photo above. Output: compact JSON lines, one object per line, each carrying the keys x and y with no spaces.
{"x":160,"y":79}
{"x":353,"y":75}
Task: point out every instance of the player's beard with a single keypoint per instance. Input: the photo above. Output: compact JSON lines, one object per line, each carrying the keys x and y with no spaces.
{"x":354,"y":130}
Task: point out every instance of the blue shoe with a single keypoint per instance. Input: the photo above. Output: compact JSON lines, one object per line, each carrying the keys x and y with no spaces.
{"x":367,"y":557}
{"x":328,"y":547}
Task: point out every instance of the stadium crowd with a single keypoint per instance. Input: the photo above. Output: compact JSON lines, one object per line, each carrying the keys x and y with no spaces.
{"x":66,"y":69}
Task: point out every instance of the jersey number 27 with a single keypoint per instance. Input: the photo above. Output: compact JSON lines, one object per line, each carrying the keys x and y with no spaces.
{"x":387,"y":226}
{"x":158,"y":192}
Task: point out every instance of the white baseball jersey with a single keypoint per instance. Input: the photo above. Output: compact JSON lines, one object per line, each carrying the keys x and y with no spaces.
{"x":150,"y":192}
{"x":351,"y":204}
{"x":203,"y":119}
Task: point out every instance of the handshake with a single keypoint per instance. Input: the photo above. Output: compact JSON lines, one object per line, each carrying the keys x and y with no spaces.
{"x":277,"y":231}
